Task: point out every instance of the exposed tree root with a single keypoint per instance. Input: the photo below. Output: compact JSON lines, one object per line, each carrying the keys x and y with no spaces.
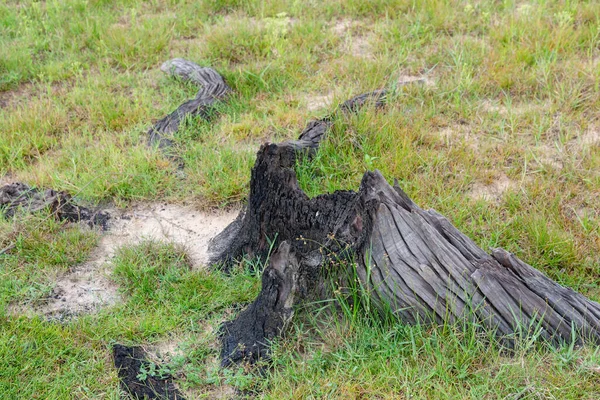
{"x":212,"y":89}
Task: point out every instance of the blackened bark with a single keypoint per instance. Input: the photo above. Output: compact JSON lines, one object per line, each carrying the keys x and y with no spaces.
{"x":277,"y":207}
{"x":17,"y":196}
{"x":412,"y":261}
{"x":137,"y":380}
{"x":267,"y":316}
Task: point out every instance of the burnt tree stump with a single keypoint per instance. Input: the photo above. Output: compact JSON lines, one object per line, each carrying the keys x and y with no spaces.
{"x":413,"y":261}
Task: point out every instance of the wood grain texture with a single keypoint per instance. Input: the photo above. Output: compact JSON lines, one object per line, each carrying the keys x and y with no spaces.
{"x":212,"y":88}
{"x":412,"y":261}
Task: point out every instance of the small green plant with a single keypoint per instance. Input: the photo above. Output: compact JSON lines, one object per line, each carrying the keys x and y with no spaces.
{"x":255,"y":266}
{"x":152,"y":369}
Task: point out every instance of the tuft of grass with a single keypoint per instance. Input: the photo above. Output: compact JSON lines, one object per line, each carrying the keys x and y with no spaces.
{"x":43,"y":247}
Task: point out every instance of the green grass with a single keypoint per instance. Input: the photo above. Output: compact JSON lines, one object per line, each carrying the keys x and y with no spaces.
{"x":42,"y":249}
{"x":512,"y":95}
{"x":163,"y":299}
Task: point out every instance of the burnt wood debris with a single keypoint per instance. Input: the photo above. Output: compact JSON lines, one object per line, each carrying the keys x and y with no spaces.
{"x":412,"y":262}
{"x":138,"y":377}
{"x":19,"y":196}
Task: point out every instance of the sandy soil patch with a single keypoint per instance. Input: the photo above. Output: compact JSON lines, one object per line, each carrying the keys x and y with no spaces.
{"x":180,"y":224}
{"x":517,"y":109}
{"x":406,"y":79}
{"x":88,"y":287}
{"x":85,"y":289}
{"x":556,"y":154}
{"x":361,"y":47}
{"x":341,"y":27}
{"x":314,"y":103}
{"x":476,"y":141}
{"x":549,"y":155}
{"x":357,"y":45}
{"x":6,"y":179}
{"x":590,"y":138}
{"x":492,"y":192}
{"x":22,"y":92}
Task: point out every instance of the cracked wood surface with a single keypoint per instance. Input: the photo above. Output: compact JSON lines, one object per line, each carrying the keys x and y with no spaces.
{"x":414,"y":262}
{"x":212,"y":88}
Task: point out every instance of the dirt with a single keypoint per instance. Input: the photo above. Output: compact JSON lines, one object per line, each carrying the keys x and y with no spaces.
{"x":25,"y":92}
{"x":361,"y":47}
{"x":11,"y":98}
{"x":314,"y":103}
{"x":588,"y":139}
{"x":405,"y":79}
{"x":88,"y":287}
{"x":492,"y":192}
{"x":578,"y":210}
{"x":517,"y":109}
{"x":549,"y":155}
{"x":165,"y":351}
{"x":6,"y":180}
{"x":180,"y":224}
{"x":358,"y":45}
{"x":554,"y":154}
{"x":222,"y":392}
{"x":341,"y":27}
{"x":463,"y":133}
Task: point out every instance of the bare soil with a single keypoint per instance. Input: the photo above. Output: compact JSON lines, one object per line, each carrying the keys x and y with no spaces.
{"x":492,"y":192}
{"x":88,"y":287}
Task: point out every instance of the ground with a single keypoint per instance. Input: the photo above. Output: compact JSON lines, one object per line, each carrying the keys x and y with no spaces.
{"x":494,"y":122}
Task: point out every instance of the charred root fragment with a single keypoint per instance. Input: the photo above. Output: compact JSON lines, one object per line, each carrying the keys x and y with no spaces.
{"x":132,"y":367}
{"x":267,"y":316}
{"x":17,"y":196}
{"x":413,"y":261}
{"x":212,"y":89}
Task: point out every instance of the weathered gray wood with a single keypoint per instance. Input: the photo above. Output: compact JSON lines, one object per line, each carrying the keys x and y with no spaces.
{"x":411,"y":261}
{"x":212,"y":89}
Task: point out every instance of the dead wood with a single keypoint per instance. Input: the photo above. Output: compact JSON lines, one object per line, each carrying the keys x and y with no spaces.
{"x":19,"y":196}
{"x":138,"y":377}
{"x":413,"y":262}
{"x":212,"y":88}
